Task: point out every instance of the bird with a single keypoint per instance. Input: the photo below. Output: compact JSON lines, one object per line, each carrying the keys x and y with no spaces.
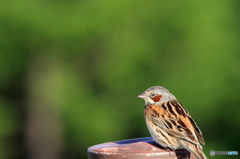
{"x":169,"y":123}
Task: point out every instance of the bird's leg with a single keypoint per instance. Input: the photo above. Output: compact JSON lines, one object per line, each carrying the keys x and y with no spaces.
{"x":168,"y":149}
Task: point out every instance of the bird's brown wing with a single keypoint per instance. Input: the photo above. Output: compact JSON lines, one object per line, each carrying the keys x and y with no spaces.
{"x":174,"y":119}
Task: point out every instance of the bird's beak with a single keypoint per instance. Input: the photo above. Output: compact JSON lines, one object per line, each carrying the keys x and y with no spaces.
{"x":141,"y":95}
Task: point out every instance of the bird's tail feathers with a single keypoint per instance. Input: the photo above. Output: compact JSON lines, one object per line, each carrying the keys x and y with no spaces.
{"x":197,"y":151}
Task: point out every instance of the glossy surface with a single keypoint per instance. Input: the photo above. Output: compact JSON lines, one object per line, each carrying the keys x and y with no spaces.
{"x":135,"y":149}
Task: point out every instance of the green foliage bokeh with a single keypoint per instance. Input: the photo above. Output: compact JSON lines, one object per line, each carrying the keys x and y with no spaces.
{"x":90,"y":59}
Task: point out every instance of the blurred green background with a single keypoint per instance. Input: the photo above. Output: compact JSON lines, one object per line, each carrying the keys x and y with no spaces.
{"x":70,"y":71}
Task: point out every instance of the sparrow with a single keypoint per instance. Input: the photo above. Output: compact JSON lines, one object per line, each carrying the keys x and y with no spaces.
{"x":169,"y":123}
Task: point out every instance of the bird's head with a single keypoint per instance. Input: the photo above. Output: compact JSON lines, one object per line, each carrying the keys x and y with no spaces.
{"x":156,"y":95}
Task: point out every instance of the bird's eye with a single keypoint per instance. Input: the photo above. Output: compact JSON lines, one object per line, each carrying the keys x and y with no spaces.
{"x":153,"y":95}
